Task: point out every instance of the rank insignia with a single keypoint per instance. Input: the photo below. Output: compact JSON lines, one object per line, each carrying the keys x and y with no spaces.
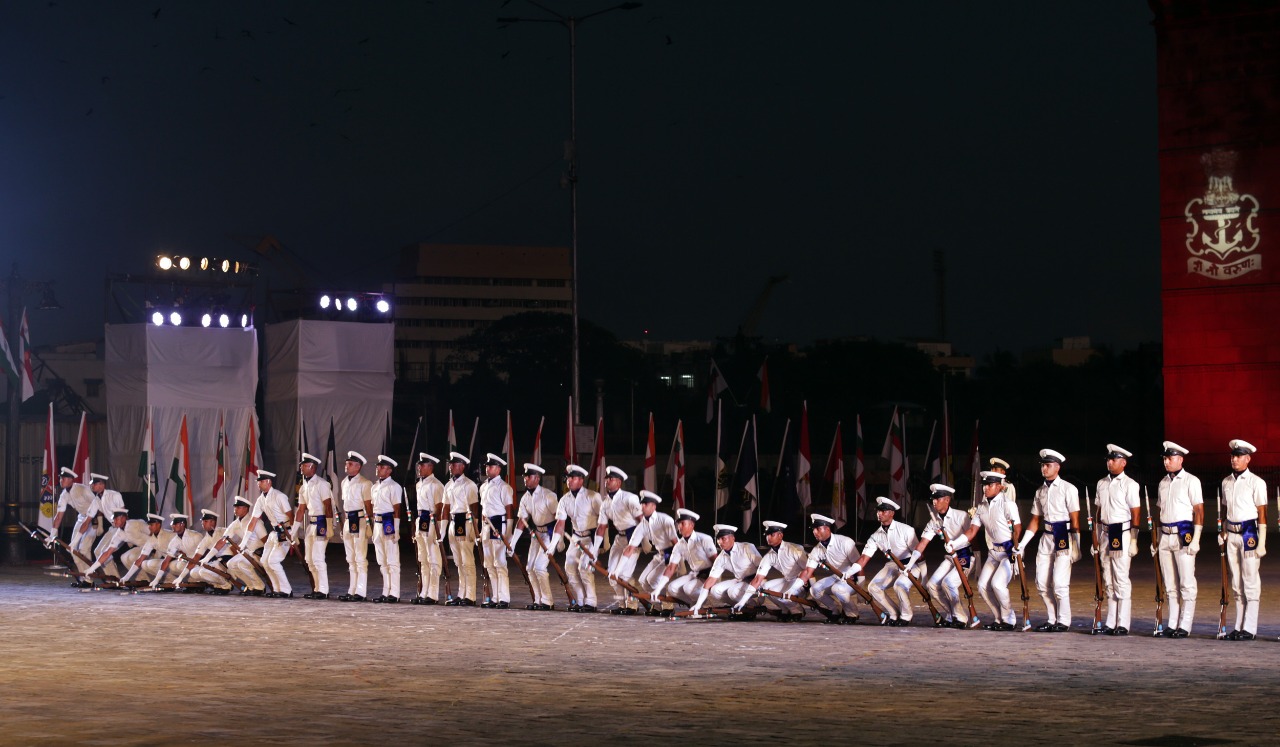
{"x":1115,"y":544}
{"x":1186,"y":538}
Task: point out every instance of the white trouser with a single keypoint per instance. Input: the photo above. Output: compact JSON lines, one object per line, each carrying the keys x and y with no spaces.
{"x":1178,"y":569}
{"x":103,"y":543}
{"x":726,"y":593}
{"x":993,"y":585}
{"x":1053,"y":580}
{"x":835,"y":594}
{"x":356,"y":546}
{"x":206,"y":576}
{"x":151,"y":569}
{"x":464,"y":558}
{"x":82,"y":543}
{"x":649,"y":576}
{"x":622,"y":567}
{"x":315,"y":548}
{"x":581,"y":579}
{"x":890,"y":577}
{"x":495,"y":566}
{"x":127,"y":559}
{"x":387,"y":550}
{"x":273,"y":555}
{"x":781,"y":585}
{"x":685,"y":588}
{"x":944,"y":587}
{"x":245,"y":572}
{"x":537,"y":564}
{"x":428,"y":562}
{"x":1115,"y":581}
{"x":1246,"y":585}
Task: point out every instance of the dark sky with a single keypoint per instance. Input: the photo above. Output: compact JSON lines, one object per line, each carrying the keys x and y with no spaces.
{"x":842,"y":143}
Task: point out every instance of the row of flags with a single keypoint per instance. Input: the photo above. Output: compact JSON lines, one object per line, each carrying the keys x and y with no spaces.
{"x":717,"y":385}
{"x":18,"y":369}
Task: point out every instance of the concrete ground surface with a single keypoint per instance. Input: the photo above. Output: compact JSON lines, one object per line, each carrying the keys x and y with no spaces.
{"x":118,"y":668}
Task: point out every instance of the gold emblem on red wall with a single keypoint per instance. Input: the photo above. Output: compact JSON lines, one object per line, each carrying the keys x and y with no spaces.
{"x":1222,"y":224}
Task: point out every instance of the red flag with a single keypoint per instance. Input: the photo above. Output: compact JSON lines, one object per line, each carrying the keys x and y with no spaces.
{"x":452,"y":437}
{"x":570,"y":442}
{"x":537,"y":443}
{"x":860,"y":473}
{"x":221,"y":473}
{"x":48,"y":475}
{"x":24,"y":359}
{"x":765,"y":403}
{"x":509,"y":454}
{"x":975,"y":462}
{"x":804,"y":462}
{"x":894,"y":451}
{"x":835,"y":478}
{"x":650,"y":480}
{"x":946,"y":451}
{"x":676,"y":468}
{"x":250,"y":458}
{"x":597,"y":456}
{"x":80,"y":463}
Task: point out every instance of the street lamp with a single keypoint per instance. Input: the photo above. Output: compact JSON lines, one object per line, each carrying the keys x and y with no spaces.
{"x":16,"y":288}
{"x":571,"y":155}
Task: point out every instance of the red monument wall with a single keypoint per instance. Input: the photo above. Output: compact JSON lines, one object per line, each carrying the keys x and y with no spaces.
{"x":1218,"y":71}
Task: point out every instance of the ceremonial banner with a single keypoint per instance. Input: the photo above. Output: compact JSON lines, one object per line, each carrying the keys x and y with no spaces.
{"x":804,"y":460}
{"x":48,"y":476}
{"x":650,"y":480}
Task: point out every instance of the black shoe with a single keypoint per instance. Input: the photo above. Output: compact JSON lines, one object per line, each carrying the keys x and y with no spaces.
{"x":1162,"y":633}
{"x":379,"y":599}
{"x":1179,"y":633}
{"x":391,"y":600}
{"x":455,"y":602}
{"x":941,"y":624}
{"x":1102,"y":630}
{"x":1045,"y":627}
{"x":534,"y":606}
{"x":358,"y":598}
{"x":1060,"y":628}
{"x":1120,"y":630}
{"x":428,"y":601}
{"x":832,"y":620}
{"x":588,"y":608}
{"x":344,"y":597}
{"x":503,"y":605}
{"x":575,"y":607}
{"x":489,"y":605}
{"x":258,"y":593}
{"x":1245,"y":636}
{"x":653,"y":612}
{"x":416,"y":600}
{"x":1232,"y":636}
{"x":468,"y":602}
{"x":222,"y":592}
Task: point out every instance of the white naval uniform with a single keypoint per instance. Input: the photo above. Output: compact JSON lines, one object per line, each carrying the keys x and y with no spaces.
{"x":740,"y":562}
{"x":155,"y":545}
{"x":274,"y":507}
{"x":698,"y":552}
{"x":134,"y":534}
{"x":495,"y":502}
{"x":998,"y":517}
{"x":202,"y":574}
{"x":898,"y":540}
{"x":429,"y":491}
{"x":1117,"y":496}
{"x":1054,"y":504}
{"x":622,"y":510}
{"x":386,"y":495}
{"x":833,"y":593}
{"x":789,"y":560}
{"x":238,"y":564}
{"x":82,"y":500}
{"x":459,"y":493}
{"x":656,"y":534}
{"x":355,"y":544}
{"x":582,"y":510}
{"x":945,"y":584}
{"x":106,"y":505}
{"x":312,"y":495}
{"x":1177,"y":494}
{"x":183,"y":544}
{"x":538,"y":510}
{"x":1243,"y":494}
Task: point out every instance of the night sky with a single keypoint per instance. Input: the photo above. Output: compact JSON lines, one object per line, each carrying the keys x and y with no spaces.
{"x":720,"y":143}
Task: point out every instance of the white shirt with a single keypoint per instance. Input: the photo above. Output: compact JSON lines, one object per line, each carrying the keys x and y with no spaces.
{"x":954,"y":523}
{"x":355,"y":491}
{"x":1243,"y":495}
{"x":495,"y":496}
{"x":740,"y":562}
{"x":838,"y":553}
{"x":155,"y":542}
{"x":698,"y":551}
{"x":235,"y":533}
{"x":998,"y":517}
{"x":787,"y":558}
{"x":313,"y":493}
{"x":622,"y":509}
{"x":274,"y":506}
{"x":538,"y":507}
{"x":207,"y":541}
{"x":185,"y":543}
{"x":1055,"y":503}
{"x":658,"y":530}
{"x":106,"y":504}
{"x":79,"y":497}
{"x":1117,"y":497}
{"x":459,"y":493}
{"x":385,"y":496}
{"x":1176,"y":495}
{"x":898,"y":540}
{"x":429,"y":492}
{"x":134,"y":534}
{"x":581,"y":509}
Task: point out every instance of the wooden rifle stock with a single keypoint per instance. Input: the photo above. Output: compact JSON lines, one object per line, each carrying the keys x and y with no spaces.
{"x":1222,"y":553}
{"x":1097,"y":567}
{"x":933,"y":610}
{"x":866,"y":595}
{"x":512,"y":552}
{"x":1154,"y":528}
{"x":564,"y":578}
{"x":964,"y":578}
{"x":798,"y":600}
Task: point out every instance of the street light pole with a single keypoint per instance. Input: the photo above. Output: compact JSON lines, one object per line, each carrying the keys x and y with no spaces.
{"x":571,"y":177}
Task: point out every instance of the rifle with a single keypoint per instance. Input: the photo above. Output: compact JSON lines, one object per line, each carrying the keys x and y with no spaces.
{"x":1022,"y":581}
{"x":1155,"y":552}
{"x":256,"y":563}
{"x":39,"y":532}
{"x":964,"y":578}
{"x":1222,"y":553}
{"x":1097,"y":569}
{"x":564,"y":578}
{"x":646,"y":599}
{"x":798,"y":600}
{"x":866,"y":595}
{"x":512,"y":552}
{"x":937,"y":618}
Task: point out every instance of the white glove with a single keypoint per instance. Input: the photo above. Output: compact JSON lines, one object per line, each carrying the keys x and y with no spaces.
{"x":658,"y":587}
{"x":584,"y":564}
{"x":1153,"y":549}
{"x":853,"y":571}
{"x":91,"y":569}
{"x":1194,"y":547}
{"x":515,"y":537}
{"x":595,"y":545}
{"x":915,"y":558}
{"x":295,"y":533}
{"x":950,"y":548}
{"x":50,"y":540}
{"x":1262,"y":541}
{"x":746,"y":597}
{"x":155,"y":582}
{"x":1014,"y":566}
{"x":1222,"y":539}
{"x":1073,"y":545}
{"x":1022,"y":543}
{"x":1133,"y":544}
{"x":553,"y":544}
{"x":1093,"y":550}
{"x":702,"y":597}
{"x":797,"y":586}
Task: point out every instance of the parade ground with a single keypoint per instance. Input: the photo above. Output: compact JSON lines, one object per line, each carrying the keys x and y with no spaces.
{"x":120,"y":668}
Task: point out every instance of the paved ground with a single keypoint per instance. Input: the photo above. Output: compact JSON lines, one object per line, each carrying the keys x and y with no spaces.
{"x":112,"y":668}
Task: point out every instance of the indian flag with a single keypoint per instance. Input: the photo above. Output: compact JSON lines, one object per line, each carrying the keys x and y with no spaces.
{"x":180,"y":471}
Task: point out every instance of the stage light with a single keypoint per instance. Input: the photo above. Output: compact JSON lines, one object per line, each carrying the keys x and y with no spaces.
{"x":224,"y":321}
{"x":324,"y":301}
{"x":351,"y":304}
{"x":164,"y":263}
{"x":204,"y":263}
{"x":157,"y":319}
{"x":226,"y":265}
{"x":383,"y":306}
{"x":206,"y":320}
{"x":184,"y":263}
{"x":244,"y":321}
{"x":175,"y":319}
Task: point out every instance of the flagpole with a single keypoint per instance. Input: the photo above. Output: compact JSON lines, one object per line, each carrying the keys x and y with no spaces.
{"x":777,"y":475}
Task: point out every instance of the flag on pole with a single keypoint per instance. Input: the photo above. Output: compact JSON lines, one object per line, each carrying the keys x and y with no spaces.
{"x":537,"y":442}
{"x":932,"y":463}
{"x":48,"y":474}
{"x":766,"y":404}
{"x":975,"y":463}
{"x":894,"y":451}
{"x":80,"y":463}
{"x":570,"y":440}
{"x":722,"y":469}
{"x":7,"y":361}
{"x":180,"y":470}
{"x":804,"y":460}
{"x":146,"y":464}
{"x":714,"y":387}
{"x":452,"y":437}
{"x":250,"y":457}
{"x":598,"y":465}
{"x":221,"y":457}
{"x":785,"y":479}
{"x":946,"y":450}
{"x":509,"y":456}
{"x":650,"y":479}
{"x":746,"y":482}
{"x":24,"y":360}
{"x":331,"y":466}
{"x":835,"y":478}
{"x":676,"y":468}
{"x":859,"y":473}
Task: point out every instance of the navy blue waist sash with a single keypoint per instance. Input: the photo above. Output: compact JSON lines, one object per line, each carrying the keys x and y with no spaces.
{"x":424,"y":521}
{"x":1060,"y":531}
{"x":965,"y":555}
{"x":353,"y":521}
{"x":498,"y":522}
{"x":1006,"y":546}
{"x":322,"y":526}
{"x":1115,"y":536}
{"x":388,"y":523}
{"x":628,"y":532}
{"x":1185,"y":532}
{"x":1248,"y":531}
{"x":460,"y":525}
